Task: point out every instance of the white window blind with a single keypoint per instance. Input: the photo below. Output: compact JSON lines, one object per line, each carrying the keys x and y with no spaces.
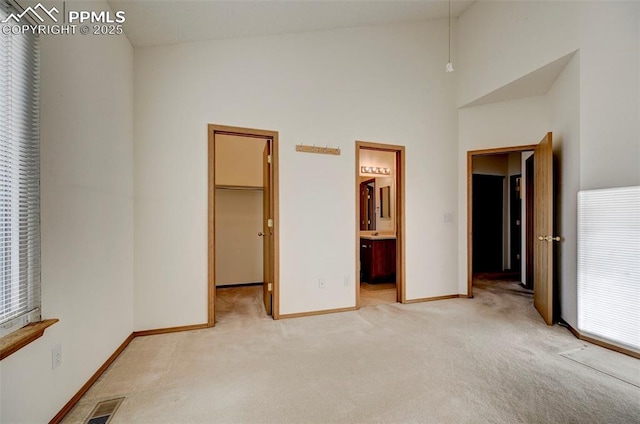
{"x":19,"y":178}
{"x":609,"y":265}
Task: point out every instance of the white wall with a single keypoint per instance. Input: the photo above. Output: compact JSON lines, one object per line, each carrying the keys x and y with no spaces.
{"x":238,"y":246}
{"x":87,"y":221}
{"x":503,"y":41}
{"x":512,"y":123}
{"x":382,"y":84}
{"x":238,"y":160}
{"x":609,"y":104}
{"x":564,"y":103}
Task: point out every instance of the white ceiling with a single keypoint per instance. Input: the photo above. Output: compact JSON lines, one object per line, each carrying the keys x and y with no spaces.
{"x":153,"y":22}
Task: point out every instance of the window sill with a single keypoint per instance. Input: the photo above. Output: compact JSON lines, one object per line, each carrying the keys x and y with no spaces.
{"x":15,"y":341}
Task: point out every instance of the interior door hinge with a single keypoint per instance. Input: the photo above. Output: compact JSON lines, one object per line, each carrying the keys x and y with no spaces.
{"x":268,"y":158}
{"x":270,"y":223}
{"x":270,"y":287}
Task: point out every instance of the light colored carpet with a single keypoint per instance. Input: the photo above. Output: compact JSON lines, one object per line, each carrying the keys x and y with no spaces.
{"x":622,"y":367}
{"x":240,"y":304}
{"x":377,"y":294}
{"x":490,"y":359}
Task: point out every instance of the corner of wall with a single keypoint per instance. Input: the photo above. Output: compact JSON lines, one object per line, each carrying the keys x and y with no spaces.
{"x":86,"y":122}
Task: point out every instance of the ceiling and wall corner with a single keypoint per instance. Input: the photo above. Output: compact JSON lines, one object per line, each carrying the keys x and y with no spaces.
{"x":172,"y":22}
{"x":535,"y":83}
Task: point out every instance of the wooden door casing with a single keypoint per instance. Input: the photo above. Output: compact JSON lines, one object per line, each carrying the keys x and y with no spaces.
{"x":267,"y":238}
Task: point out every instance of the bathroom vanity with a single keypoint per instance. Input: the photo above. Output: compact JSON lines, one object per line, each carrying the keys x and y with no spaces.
{"x":377,"y":258}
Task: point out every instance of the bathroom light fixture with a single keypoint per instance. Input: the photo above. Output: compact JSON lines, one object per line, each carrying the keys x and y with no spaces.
{"x":449,"y":66}
{"x":375,"y":170}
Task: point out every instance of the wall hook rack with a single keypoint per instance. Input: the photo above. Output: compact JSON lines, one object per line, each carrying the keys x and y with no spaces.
{"x":317,"y":149}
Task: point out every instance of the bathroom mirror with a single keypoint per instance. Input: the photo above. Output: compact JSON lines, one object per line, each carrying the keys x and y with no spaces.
{"x":385,"y":202}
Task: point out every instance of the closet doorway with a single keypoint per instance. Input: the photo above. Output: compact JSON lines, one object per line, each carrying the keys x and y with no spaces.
{"x":379,"y":224}
{"x":243,"y":224}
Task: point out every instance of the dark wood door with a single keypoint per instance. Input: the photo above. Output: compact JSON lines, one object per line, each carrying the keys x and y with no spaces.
{"x":367,"y":205}
{"x":488,"y":192}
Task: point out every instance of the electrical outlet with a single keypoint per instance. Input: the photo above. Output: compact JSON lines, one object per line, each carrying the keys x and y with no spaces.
{"x":56,"y":356}
{"x":321,"y":283}
{"x":346,"y":281}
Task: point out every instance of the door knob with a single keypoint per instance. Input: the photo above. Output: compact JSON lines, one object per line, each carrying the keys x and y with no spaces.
{"x":549,"y":238}
{"x":260,"y":234}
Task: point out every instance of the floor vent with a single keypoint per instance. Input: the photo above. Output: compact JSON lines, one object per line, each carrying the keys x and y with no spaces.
{"x":103,"y":411}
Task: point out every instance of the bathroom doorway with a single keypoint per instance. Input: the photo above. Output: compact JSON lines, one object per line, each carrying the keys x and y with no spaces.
{"x":380,"y":224}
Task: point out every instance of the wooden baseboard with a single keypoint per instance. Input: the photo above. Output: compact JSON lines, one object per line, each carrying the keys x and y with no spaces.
{"x":573,"y":331}
{"x":431,"y":299}
{"x":601,"y":343}
{"x":65,"y":409}
{"x":312,"y":313}
{"x":169,"y":330}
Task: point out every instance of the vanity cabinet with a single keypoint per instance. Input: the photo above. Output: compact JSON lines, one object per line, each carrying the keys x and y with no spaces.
{"x":377,"y":260}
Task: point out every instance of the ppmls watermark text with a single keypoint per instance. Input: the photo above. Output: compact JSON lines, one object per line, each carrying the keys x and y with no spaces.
{"x":41,"y":20}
